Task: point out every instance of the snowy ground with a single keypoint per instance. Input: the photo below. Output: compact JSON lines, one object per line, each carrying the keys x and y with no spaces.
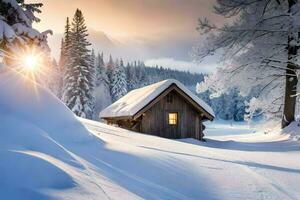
{"x":253,"y":166}
{"x":223,"y":127}
{"x":47,"y":153}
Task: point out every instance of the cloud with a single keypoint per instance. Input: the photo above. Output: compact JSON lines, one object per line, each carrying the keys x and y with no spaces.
{"x":171,"y":63}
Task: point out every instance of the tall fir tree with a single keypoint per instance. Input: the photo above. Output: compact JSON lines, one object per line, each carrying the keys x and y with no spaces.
{"x":102,"y":88}
{"x":78,"y":80}
{"x":60,"y":68}
{"x":132,"y":81}
{"x":119,"y":83}
{"x":92,"y":80}
{"x":101,"y":75}
{"x":65,"y":44}
{"x":64,"y":56}
{"x":92,"y":69}
{"x":52,"y":79}
{"x":110,"y":68}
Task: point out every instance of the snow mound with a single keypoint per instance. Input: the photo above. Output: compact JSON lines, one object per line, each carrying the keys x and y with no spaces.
{"x":293,"y":130}
{"x":25,"y":101}
{"x":40,"y":138}
{"x":137,"y":99}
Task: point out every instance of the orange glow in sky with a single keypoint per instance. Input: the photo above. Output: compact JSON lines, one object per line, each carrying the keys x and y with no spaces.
{"x":127,"y":18}
{"x":132,"y":29}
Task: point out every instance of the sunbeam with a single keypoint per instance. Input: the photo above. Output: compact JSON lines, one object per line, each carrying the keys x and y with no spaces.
{"x":30,"y":62}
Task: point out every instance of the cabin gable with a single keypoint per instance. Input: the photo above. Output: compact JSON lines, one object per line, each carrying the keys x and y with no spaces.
{"x":156,"y":120}
{"x":173,"y":87}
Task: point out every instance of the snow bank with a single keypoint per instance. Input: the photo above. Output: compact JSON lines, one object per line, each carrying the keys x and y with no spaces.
{"x":23,"y":100}
{"x":39,"y":138}
{"x":137,"y":99}
{"x":293,"y":130}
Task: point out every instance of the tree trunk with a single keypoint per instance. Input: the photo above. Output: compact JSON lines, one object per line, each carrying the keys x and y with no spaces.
{"x":291,"y":78}
{"x":290,"y":97}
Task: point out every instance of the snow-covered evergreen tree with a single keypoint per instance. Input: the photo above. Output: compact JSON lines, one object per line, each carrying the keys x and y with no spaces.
{"x":65,"y":44}
{"x":16,"y":32}
{"x":205,"y":96}
{"x":60,"y":65}
{"x":101,"y":75}
{"x":110,"y":68}
{"x":240,"y":109}
{"x":132,"y":79}
{"x":119,"y":83}
{"x":92,"y":81}
{"x":64,"y":57}
{"x":92,"y":67}
{"x":52,"y":78}
{"x":260,"y":43}
{"x":102,"y":89}
{"x":18,"y":40}
{"x":227,"y":106}
{"x":78,"y":79}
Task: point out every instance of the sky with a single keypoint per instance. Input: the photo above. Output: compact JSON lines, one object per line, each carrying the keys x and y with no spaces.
{"x":159,"y":32}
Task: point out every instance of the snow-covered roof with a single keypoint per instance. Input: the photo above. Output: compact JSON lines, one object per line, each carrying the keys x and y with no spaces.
{"x":134,"y":101}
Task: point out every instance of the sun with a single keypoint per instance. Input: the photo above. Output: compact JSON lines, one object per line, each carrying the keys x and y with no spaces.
{"x":31,"y":62}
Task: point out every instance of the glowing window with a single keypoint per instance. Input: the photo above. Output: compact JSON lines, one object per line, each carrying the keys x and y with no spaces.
{"x":173,"y":118}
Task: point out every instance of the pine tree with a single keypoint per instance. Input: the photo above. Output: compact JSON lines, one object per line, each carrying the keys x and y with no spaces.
{"x":60,"y":66}
{"x":205,"y":96}
{"x":119,"y":84}
{"x":110,"y":68}
{"x":102,"y":90}
{"x":92,"y":67}
{"x":132,"y":81}
{"x":52,"y":81}
{"x":16,"y":32}
{"x":64,"y":57}
{"x":67,"y":33}
{"x":78,"y":80}
{"x":65,"y":44}
{"x":101,"y":75}
{"x":92,"y":81}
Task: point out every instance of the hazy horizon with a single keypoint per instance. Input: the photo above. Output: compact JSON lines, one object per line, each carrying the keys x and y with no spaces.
{"x":157,"y":32}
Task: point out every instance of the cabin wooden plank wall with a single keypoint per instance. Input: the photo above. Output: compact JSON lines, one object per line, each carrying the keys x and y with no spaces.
{"x":155,"y":120}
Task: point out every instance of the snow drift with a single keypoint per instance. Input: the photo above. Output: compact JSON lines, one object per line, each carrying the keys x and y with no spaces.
{"x":38,"y":133}
{"x":25,"y":101}
{"x":293,"y":131}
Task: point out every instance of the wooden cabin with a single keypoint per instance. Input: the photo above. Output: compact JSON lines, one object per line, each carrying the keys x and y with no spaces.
{"x":166,"y":109}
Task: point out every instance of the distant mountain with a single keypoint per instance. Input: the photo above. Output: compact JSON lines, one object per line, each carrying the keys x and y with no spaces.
{"x":102,"y":42}
{"x":130,"y":49}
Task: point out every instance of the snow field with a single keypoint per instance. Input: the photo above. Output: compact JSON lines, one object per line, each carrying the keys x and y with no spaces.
{"x":48,"y":153}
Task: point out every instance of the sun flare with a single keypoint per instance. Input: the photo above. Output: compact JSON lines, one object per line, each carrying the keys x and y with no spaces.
{"x":31,"y":62}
